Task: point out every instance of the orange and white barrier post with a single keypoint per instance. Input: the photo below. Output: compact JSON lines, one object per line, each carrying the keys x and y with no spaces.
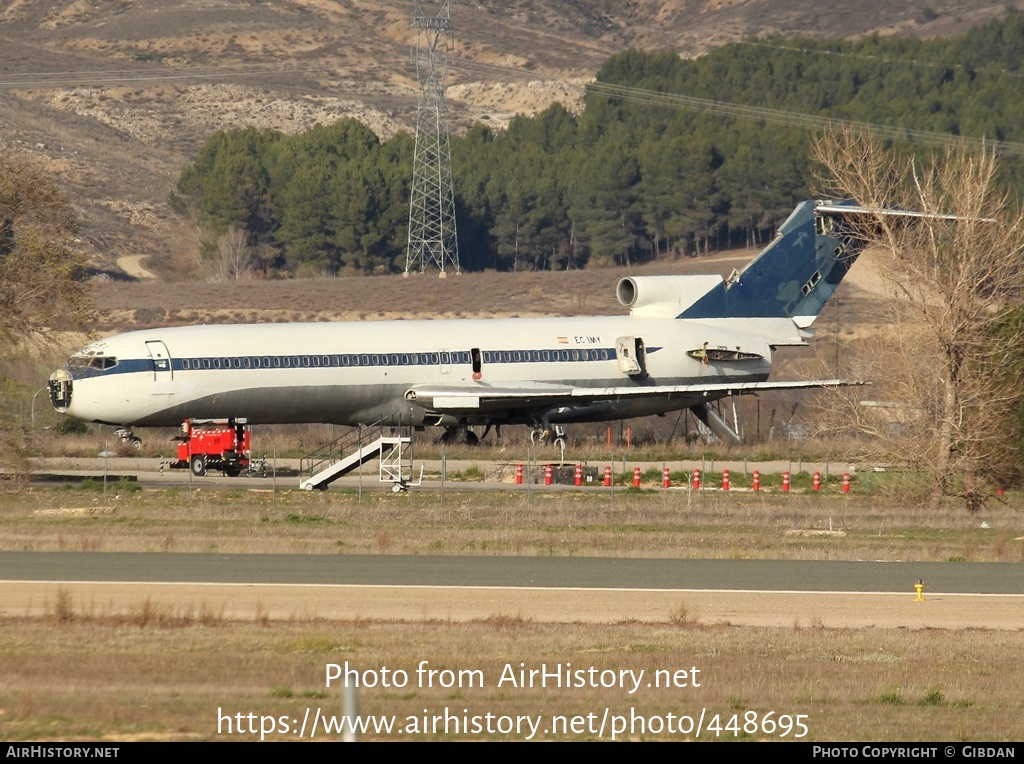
{"x":757,"y":481}
{"x":519,"y":474}
{"x":607,"y":476}
{"x":665,"y":481}
{"x":725,"y":480}
{"x":578,"y":479}
{"x":636,"y":477}
{"x":846,"y":482}
{"x":696,"y":479}
{"x":547,"y":474}
{"x":785,"y":481}
{"x":817,"y":481}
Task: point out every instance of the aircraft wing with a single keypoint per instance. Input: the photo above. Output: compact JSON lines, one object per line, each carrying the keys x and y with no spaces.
{"x":485,"y":397}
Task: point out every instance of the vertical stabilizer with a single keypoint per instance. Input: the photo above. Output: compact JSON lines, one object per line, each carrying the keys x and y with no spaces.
{"x":793,"y":277}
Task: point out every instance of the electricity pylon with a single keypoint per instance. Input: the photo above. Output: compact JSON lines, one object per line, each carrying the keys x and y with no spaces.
{"x":432,"y":233}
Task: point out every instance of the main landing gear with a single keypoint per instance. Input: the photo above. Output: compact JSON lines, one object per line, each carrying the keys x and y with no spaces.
{"x":461,"y":435}
{"x":127,"y":436}
{"x":555,"y":435}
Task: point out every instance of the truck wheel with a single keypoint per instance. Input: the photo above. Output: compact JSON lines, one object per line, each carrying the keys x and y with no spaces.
{"x":198,"y":465}
{"x":232,"y":471}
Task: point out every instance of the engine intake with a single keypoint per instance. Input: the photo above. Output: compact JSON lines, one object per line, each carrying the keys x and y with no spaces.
{"x":663,"y":296}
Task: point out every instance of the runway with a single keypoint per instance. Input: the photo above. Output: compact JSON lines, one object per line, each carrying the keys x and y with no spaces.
{"x":530,"y":572}
{"x":738,"y":592}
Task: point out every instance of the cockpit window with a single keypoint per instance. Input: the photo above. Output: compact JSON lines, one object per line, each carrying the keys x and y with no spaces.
{"x":93,"y":362}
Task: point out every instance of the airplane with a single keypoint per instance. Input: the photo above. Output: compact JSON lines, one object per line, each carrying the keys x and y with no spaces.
{"x":687,"y":342}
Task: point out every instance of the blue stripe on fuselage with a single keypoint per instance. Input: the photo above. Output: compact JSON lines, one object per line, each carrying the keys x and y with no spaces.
{"x":351,"y":361}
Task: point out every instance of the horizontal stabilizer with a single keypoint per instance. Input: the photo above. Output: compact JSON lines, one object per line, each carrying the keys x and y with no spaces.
{"x":843,"y":211}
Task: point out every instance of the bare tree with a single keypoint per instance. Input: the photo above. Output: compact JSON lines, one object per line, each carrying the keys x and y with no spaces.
{"x":42,"y":279}
{"x":233,"y":258}
{"x":43,"y":290}
{"x":953,"y":362}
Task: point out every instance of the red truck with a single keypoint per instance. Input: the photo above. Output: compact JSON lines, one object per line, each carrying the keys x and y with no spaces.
{"x":218,"y":444}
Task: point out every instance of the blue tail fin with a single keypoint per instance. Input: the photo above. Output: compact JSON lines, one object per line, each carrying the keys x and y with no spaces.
{"x":793,"y":277}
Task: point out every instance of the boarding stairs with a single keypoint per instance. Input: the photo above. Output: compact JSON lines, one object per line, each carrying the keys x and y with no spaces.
{"x":393,"y":446}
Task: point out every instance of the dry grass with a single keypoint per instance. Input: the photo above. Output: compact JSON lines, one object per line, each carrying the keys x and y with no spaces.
{"x":317,"y":299}
{"x":64,"y":611}
{"x":90,"y":670}
{"x":677,"y":523}
{"x":151,"y":675}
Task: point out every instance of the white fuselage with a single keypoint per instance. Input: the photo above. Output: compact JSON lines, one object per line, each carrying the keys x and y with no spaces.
{"x":358,"y":373}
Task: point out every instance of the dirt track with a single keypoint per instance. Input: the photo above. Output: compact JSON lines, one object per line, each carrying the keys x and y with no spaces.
{"x":283,"y":602}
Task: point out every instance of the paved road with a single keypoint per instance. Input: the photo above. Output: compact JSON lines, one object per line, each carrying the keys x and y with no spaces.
{"x":499,"y":474}
{"x":563,"y":590}
{"x":531,"y":572}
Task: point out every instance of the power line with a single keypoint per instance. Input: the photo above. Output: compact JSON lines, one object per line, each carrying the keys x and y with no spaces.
{"x":627,"y":93}
{"x":992,"y":72}
{"x":797,"y":119}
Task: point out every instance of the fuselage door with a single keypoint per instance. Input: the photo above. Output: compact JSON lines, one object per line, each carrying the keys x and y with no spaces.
{"x":444,"y":361}
{"x":632,"y":359}
{"x":161,"y":361}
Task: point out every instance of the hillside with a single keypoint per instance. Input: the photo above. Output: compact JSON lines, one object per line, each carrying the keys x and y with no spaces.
{"x":117,"y":95}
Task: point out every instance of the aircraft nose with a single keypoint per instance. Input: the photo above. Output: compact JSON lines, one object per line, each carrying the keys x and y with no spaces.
{"x":60,"y":389}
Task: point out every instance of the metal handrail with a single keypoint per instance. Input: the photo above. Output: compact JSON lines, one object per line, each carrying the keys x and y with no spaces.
{"x":338,"y":448}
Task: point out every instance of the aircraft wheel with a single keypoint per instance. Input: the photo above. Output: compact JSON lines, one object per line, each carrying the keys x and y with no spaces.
{"x":198,"y":465}
{"x":559,"y":443}
{"x":396,"y":488}
{"x":136,"y":442}
{"x":472,"y":439}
